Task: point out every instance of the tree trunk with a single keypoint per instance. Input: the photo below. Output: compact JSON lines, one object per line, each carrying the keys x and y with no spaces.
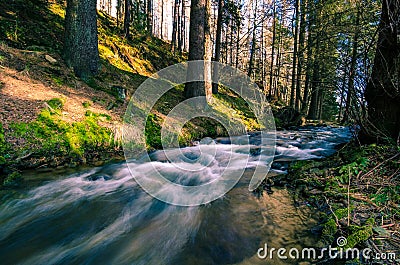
{"x":238,"y":24}
{"x":383,"y":89}
{"x":226,"y":44}
{"x":174,"y":26}
{"x":253,"y":43}
{"x":304,"y":108}
{"x":118,"y":12}
{"x":127,"y":19}
{"x":271,"y":75}
{"x":341,"y":100}
{"x":217,"y":47}
{"x":81,"y":44}
{"x":278,"y":92}
{"x":232,"y":26}
{"x":313,"y":110}
{"x":353,"y":69}
{"x":200,"y":48}
{"x":149,"y":16}
{"x":179,"y":30}
{"x":296,"y":35}
{"x":162,"y":20}
{"x":183,"y":27}
{"x":321,"y":96}
{"x":300,"y":56}
{"x":262,"y":52}
{"x":109,"y":7}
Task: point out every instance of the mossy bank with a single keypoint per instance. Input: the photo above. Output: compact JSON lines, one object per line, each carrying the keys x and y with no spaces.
{"x":356,"y":195}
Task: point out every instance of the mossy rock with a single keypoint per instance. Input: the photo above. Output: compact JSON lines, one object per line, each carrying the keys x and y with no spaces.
{"x":358,"y":235}
{"x":329,"y":230}
{"x":12,"y":180}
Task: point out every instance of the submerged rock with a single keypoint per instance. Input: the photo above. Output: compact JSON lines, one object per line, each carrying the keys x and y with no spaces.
{"x":96,"y":177}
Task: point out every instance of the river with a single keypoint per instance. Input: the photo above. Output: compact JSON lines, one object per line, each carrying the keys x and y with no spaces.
{"x":101,"y":216}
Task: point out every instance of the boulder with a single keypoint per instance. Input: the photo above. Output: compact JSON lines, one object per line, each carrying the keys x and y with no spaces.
{"x":287,"y":117}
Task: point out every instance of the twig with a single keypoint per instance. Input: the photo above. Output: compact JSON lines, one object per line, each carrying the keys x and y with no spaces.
{"x":380,"y":164}
{"x":23,"y":157}
{"x":388,"y":225}
{"x":358,"y":197}
{"x":375,"y":247}
{"x":330,"y":208}
{"x":348,"y":200}
{"x":48,"y":106}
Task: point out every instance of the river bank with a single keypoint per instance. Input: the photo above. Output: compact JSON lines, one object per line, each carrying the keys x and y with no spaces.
{"x":355,"y":194}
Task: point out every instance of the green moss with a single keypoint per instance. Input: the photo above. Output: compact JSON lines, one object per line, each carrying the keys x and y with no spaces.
{"x":12,"y":179}
{"x":30,"y":23}
{"x":278,"y":123}
{"x":329,"y":230}
{"x":86,"y":104}
{"x":153,"y":131}
{"x":58,"y":80}
{"x":94,"y":84}
{"x":87,"y":135}
{"x":235,"y":108}
{"x":4,"y":147}
{"x":99,"y":116}
{"x":358,"y":235}
{"x":56,"y":103}
{"x":299,"y":165}
{"x":2,"y":140}
{"x":342,"y":213}
{"x":48,"y":135}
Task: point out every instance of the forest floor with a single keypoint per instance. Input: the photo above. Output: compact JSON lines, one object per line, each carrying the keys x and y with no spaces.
{"x":357,"y":195}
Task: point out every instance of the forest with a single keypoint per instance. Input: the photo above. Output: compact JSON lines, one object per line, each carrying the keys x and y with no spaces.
{"x":315,"y":56}
{"x":97,"y":97}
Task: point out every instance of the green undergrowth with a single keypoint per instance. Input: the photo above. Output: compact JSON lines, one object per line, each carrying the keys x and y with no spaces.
{"x":12,"y":179}
{"x":236,"y":108}
{"x":3,"y":146}
{"x":49,"y":136}
{"x":362,"y":175}
{"x":194,"y":130}
{"x":230,"y":108}
{"x":29,"y":24}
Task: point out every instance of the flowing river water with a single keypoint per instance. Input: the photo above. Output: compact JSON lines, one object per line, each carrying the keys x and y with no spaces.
{"x":101,"y":216}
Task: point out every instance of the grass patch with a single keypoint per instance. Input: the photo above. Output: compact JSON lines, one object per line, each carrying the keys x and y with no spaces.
{"x":235,"y":108}
{"x":3,"y":146}
{"x":86,"y":104}
{"x":49,"y":136}
{"x":56,"y":103}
